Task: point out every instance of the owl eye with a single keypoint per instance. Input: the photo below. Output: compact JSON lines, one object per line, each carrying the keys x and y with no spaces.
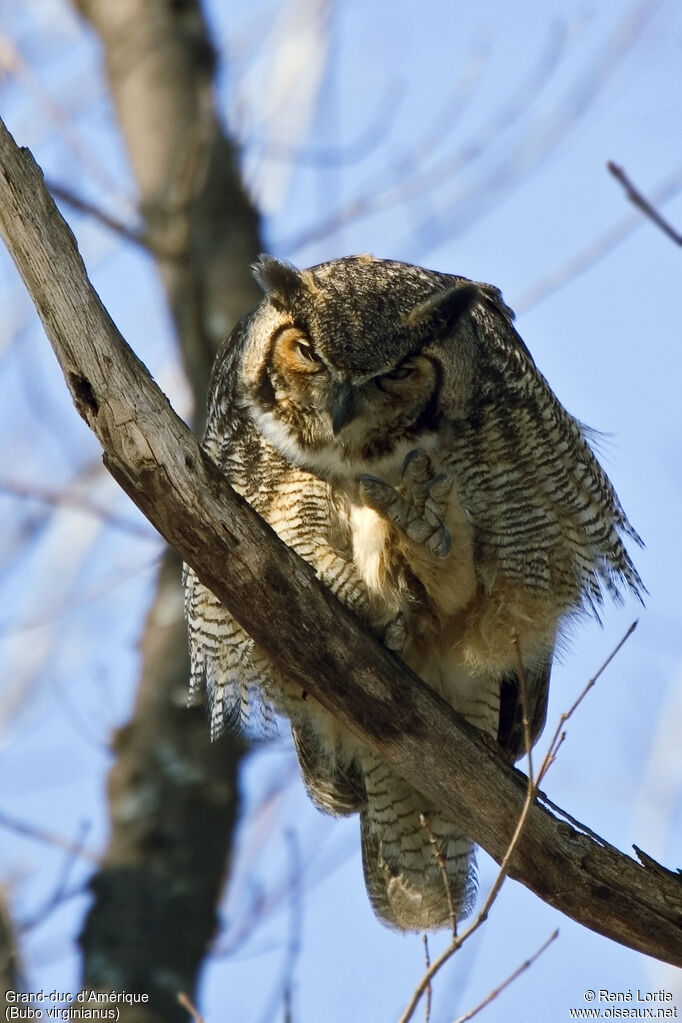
{"x":307,"y":352}
{"x":297,"y":354}
{"x":399,"y":373}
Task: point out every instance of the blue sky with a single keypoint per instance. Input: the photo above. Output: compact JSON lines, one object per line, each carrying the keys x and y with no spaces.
{"x":500,"y":119}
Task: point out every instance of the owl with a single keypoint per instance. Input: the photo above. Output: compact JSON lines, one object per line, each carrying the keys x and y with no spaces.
{"x":392,"y":427}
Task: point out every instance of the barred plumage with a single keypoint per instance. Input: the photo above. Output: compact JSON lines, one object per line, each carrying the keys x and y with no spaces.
{"x":392,"y":427}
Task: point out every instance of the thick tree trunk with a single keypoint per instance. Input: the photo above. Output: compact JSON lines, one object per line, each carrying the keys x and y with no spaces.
{"x":173,"y":806}
{"x":9,"y":964}
{"x":173,"y":797}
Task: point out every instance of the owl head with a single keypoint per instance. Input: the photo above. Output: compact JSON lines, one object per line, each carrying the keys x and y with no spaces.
{"x":343,"y":365}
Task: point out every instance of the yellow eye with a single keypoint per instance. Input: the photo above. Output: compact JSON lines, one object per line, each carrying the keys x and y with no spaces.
{"x":307,"y":352}
{"x":294,"y":353}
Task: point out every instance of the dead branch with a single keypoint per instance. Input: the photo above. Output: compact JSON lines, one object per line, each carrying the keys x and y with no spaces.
{"x":508,"y":980}
{"x":74,"y":849}
{"x":643,"y":204}
{"x":595,"y":250}
{"x":428,"y":992}
{"x":276,"y":597}
{"x":559,"y":734}
{"x":73,"y":498}
{"x":126,"y":231}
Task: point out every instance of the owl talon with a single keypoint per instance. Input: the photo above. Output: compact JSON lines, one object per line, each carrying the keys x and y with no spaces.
{"x":396,"y":633}
{"x":440,"y":542}
{"x":420,"y":511}
{"x":381,"y":497}
{"x":416,"y":467}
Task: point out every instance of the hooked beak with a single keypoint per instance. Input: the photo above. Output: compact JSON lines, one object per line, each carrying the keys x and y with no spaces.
{"x":343,"y":408}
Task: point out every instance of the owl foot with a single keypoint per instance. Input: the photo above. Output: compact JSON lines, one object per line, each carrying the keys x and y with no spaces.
{"x":419,"y":507}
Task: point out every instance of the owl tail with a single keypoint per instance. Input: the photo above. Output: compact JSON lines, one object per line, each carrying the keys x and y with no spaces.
{"x":412,"y":855}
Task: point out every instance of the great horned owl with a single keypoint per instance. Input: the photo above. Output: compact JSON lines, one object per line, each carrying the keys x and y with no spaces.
{"x":392,"y":427}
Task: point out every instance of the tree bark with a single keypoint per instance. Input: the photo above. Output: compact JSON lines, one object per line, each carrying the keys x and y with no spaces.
{"x":173,"y":797}
{"x":9,"y":962}
{"x":173,"y":805}
{"x":199,"y":221}
{"x":297,"y":622}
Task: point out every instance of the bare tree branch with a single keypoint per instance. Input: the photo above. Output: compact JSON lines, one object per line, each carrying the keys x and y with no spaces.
{"x":643,"y":204}
{"x":73,"y":498}
{"x":74,"y":849}
{"x":594,"y":251}
{"x":559,"y":733}
{"x":508,"y":980}
{"x":127,"y":231}
{"x":276,"y":597}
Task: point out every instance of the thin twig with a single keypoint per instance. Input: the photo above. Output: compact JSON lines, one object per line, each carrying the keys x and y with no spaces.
{"x":596,"y":250}
{"x":647,"y":208}
{"x":16,"y":64}
{"x":510,"y":979}
{"x":528,"y":150}
{"x":56,"y":496}
{"x":295,"y":925}
{"x":523,"y":692}
{"x":187,"y":1003}
{"x":368,"y":140}
{"x":440,"y":860}
{"x":76,"y":202}
{"x":47,"y":837}
{"x":138,"y":236}
{"x":427,"y":993}
{"x":61,"y":888}
{"x":283,"y":989}
{"x":415,"y":176}
{"x":559,"y":734}
{"x":56,"y":614}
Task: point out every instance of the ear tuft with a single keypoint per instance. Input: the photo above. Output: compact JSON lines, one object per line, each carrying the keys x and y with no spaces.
{"x":440,"y":313}
{"x":277,"y":277}
{"x":494,"y":296}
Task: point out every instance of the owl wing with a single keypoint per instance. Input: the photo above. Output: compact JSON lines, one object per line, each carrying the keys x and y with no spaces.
{"x":243,"y":686}
{"x":544,"y":512}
